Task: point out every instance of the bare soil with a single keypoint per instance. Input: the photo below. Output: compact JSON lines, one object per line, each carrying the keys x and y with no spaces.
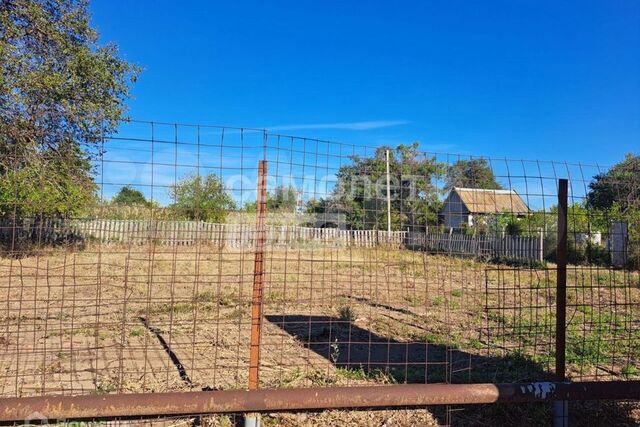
{"x":156,"y":318}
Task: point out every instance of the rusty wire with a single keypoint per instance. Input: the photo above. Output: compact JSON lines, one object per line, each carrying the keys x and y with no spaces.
{"x":161,"y":296}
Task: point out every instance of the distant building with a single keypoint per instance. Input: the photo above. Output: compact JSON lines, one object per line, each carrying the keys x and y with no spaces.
{"x":464,"y":205}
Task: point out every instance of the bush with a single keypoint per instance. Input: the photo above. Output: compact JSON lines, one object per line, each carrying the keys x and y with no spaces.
{"x":582,"y":254}
{"x":201,"y":198}
{"x":514,"y":227}
{"x":346,"y":312}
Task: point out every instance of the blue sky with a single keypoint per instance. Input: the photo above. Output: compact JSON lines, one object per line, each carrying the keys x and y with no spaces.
{"x":517,"y":79}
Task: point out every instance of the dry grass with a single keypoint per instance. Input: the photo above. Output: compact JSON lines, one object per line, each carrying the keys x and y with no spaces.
{"x":116,"y":319}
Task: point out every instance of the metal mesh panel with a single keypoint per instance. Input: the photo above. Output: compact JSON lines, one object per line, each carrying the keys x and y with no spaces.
{"x":370,"y":266}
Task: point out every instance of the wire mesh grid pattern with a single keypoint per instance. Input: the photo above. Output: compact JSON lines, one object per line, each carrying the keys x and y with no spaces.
{"x":374,"y":265}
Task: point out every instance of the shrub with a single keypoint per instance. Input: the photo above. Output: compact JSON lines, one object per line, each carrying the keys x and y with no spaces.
{"x":201,"y":198}
{"x":347,"y":313}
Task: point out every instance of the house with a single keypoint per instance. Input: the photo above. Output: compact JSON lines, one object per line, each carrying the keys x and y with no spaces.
{"x":462,"y":205}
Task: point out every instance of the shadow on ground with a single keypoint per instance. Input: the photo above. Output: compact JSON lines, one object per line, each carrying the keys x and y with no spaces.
{"x":349,"y":346}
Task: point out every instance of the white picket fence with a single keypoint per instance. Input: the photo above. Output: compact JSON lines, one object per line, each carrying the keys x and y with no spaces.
{"x":524,"y":248}
{"x":190,"y":232}
{"x":243,"y":236}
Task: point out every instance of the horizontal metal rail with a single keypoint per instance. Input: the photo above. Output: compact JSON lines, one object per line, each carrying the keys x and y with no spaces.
{"x":303,"y":399}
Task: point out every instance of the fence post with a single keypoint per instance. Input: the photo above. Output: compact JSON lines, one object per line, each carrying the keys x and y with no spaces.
{"x":560,"y":407}
{"x":253,"y":420}
{"x":541,"y":247}
{"x":618,"y":237}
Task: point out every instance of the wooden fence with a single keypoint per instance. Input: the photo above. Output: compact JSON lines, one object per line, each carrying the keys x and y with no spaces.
{"x":52,"y":231}
{"x":524,"y":248}
{"x":189,"y":232}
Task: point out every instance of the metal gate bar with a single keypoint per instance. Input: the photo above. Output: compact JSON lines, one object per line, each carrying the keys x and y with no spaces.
{"x":290,"y":400}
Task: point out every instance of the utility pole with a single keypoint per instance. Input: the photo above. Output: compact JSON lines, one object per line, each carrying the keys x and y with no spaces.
{"x":388,"y":199}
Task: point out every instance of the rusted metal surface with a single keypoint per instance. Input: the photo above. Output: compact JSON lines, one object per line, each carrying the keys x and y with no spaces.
{"x":161,"y":297}
{"x":258,"y":273}
{"x":561,"y":280}
{"x":274,"y":400}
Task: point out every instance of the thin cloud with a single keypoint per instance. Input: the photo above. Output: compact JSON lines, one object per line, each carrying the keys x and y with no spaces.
{"x":343,"y":126}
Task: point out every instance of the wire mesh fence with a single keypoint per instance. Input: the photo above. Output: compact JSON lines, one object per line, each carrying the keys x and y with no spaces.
{"x":175,"y":257}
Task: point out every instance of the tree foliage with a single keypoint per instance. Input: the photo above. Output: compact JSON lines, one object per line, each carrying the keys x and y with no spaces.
{"x":620,"y":185}
{"x":283,"y":198}
{"x":360,"y":192}
{"x":201,"y":198}
{"x":319,"y":206}
{"x":47,"y":186}
{"x":615,"y":196}
{"x":129,"y":196}
{"x":474,"y":173}
{"x":60,"y":93}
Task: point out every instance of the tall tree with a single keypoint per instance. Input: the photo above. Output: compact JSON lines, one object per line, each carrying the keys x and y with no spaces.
{"x":360,"y":192}
{"x":619,"y":186}
{"x":282,"y":198}
{"x":60,"y":93}
{"x":474,"y":173}
{"x":129,"y":196}
{"x":617,"y":193}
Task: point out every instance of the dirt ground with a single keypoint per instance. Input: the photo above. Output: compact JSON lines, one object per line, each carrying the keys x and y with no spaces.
{"x":128,"y":319}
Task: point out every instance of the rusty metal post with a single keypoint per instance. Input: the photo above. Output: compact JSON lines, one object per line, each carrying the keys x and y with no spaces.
{"x":258,"y":275}
{"x":252,"y":420}
{"x":560,"y":408}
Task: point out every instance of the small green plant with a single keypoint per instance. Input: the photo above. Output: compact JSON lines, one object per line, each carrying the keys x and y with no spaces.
{"x":347,"y":313}
{"x":210,"y":296}
{"x":224,"y":421}
{"x":360,"y":374}
{"x":437,"y":301}
{"x":352,"y":374}
{"x":629,"y":372}
{"x":456,"y":293}
{"x":104,"y":388}
{"x":275,"y":297}
{"x":428,"y":337}
{"x":413,"y":300}
{"x":475,"y":343}
{"x":288,"y":379}
{"x":135,"y":332}
{"x":61,"y":355}
{"x":588,"y":348}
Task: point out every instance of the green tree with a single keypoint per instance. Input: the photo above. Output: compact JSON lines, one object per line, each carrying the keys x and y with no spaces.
{"x":60,"y":93}
{"x":615,"y":196}
{"x":360,"y":192}
{"x":47,"y":186}
{"x":283,"y":198}
{"x":474,"y":173}
{"x":201,"y":198}
{"x":513,"y":226}
{"x":130,"y":196}
{"x":619,"y":185}
{"x":504,"y":222}
{"x":318,"y":206}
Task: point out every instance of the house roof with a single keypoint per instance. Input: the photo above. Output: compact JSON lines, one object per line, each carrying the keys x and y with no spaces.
{"x":481,"y":201}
